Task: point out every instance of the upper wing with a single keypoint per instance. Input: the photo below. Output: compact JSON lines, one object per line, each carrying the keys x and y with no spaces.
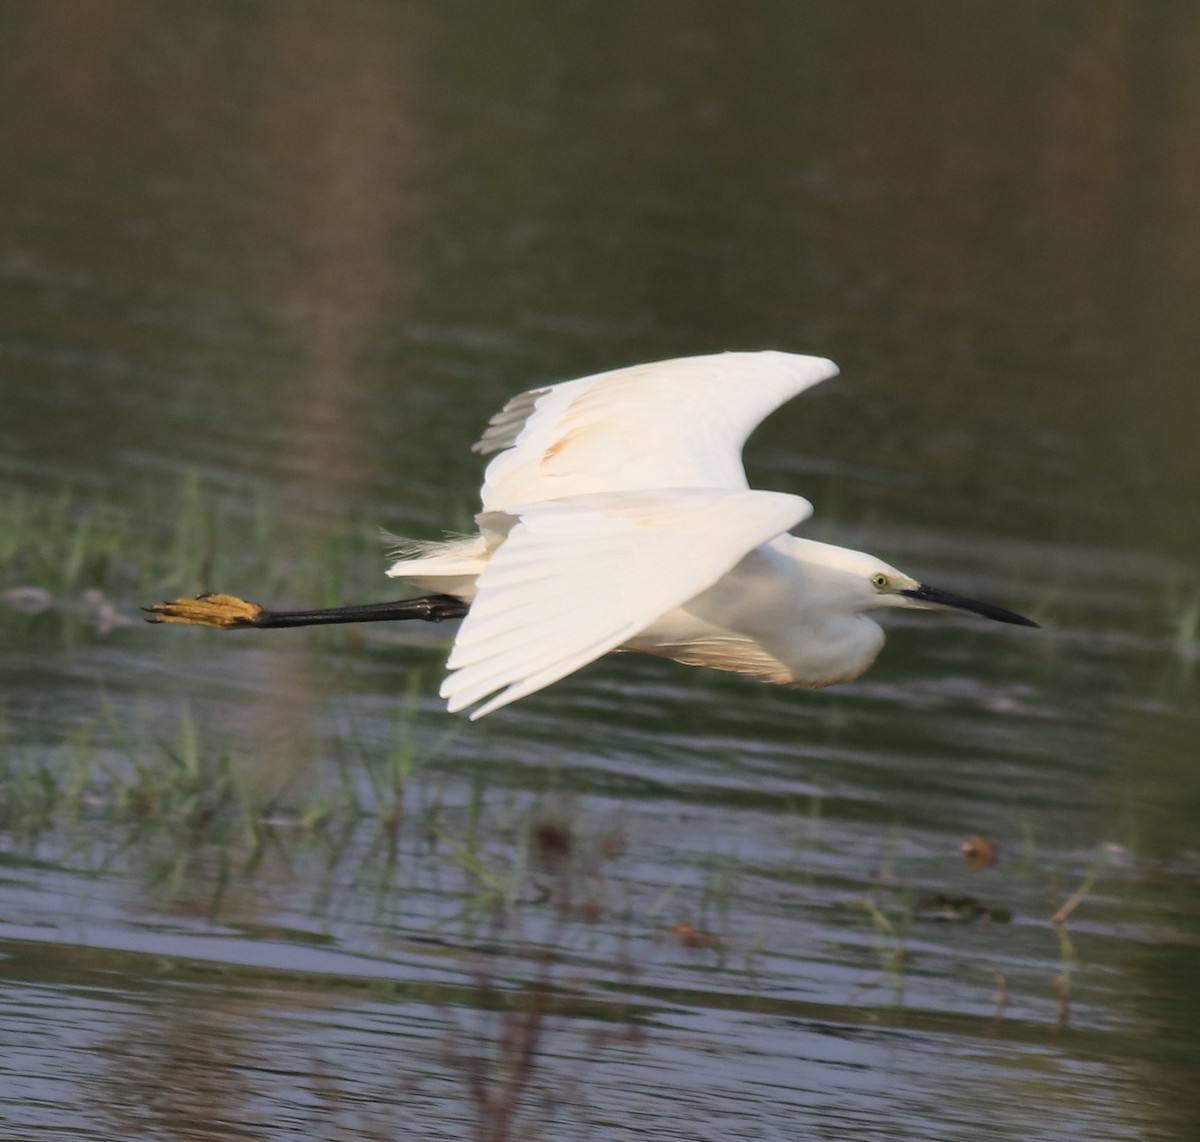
{"x":672,"y":424}
{"x":576,"y":578}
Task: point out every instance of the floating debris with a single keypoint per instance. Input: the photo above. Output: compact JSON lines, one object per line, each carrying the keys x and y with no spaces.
{"x":979,"y":852}
{"x":91,"y":604}
{"x":28,"y":600}
{"x":99,"y":610}
{"x":960,"y":910}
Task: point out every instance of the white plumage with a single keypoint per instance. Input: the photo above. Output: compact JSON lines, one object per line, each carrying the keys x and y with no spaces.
{"x":616,"y":513}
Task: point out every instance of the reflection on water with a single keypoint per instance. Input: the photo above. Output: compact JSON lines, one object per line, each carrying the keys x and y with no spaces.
{"x":299,"y":254}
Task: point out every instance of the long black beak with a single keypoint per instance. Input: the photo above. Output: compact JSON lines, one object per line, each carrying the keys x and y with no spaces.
{"x":935,"y":597}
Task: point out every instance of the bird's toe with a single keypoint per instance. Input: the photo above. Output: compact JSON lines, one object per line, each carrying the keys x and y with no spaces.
{"x":222,"y":611}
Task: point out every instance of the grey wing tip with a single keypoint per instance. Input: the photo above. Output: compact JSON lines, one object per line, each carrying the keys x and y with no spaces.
{"x":504,"y":428}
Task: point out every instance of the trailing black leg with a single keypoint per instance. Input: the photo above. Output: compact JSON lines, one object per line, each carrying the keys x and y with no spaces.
{"x":228,"y":612}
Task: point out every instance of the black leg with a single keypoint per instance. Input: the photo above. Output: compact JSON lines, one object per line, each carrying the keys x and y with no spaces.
{"x":428,"y":608}
{"x":229,"y":612}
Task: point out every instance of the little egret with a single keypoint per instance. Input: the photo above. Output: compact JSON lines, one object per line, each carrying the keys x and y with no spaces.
{"x":616,"y":515}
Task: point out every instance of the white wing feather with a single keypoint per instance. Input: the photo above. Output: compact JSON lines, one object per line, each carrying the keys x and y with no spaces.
{"x":576,"y":578}
{"x":671,"y":424}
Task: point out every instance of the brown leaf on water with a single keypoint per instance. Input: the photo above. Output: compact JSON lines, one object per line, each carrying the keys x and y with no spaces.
{"x":552,"y":840}
{"x":979,"y":852}
{"x":691,"y":937}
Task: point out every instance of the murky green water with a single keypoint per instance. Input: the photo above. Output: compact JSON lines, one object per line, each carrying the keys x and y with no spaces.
{"x":291,"y":256}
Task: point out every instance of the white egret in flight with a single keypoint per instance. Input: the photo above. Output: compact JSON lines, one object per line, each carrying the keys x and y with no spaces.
{"x":616,"y":515}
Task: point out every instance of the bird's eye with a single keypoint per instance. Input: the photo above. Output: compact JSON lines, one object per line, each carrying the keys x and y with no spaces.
{"x":879,"y":580}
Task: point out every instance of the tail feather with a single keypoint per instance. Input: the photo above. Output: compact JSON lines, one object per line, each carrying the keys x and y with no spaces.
{"x":401,"y":547}
{"x":449,"y":566}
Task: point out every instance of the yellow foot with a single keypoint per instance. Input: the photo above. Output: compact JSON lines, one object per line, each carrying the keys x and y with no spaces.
{"x":208,"y":611}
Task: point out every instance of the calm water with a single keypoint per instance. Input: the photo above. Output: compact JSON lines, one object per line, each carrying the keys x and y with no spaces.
{"x":298,"y":253}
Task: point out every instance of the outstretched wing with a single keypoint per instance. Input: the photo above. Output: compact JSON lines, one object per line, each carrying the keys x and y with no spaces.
{"x":576,"y":578}
{"x":672,"y":424}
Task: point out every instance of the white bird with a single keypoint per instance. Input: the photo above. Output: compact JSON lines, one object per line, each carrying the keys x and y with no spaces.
{"x":616,"y":515}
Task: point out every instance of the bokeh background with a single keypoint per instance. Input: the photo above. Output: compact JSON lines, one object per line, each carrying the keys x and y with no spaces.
{"x":265,"y":271}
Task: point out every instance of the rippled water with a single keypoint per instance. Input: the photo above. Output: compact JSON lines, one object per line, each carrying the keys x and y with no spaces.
{"x":292,"y":256}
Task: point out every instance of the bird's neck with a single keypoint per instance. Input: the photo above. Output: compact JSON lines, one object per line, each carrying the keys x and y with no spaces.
{"x":826,"y":576}
{"x":831,"y":638}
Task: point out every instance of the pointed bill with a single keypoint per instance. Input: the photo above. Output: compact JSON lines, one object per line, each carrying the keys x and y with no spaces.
{"x":926,"y":596}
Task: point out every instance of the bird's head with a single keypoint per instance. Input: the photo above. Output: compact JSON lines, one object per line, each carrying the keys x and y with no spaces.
{"x":884,"y":586}
{"x":861,"y":582}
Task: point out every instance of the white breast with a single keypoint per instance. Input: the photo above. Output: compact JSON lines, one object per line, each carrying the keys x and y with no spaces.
{"x":768,"y":617}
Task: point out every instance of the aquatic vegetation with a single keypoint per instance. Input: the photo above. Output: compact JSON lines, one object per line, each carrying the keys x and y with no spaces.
{"x":30,"y":787}
{"x":1183,"y":621}
{"x":95,"y":562}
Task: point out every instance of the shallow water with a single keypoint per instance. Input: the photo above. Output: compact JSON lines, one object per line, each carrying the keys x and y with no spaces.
{"x":297,"y":254}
